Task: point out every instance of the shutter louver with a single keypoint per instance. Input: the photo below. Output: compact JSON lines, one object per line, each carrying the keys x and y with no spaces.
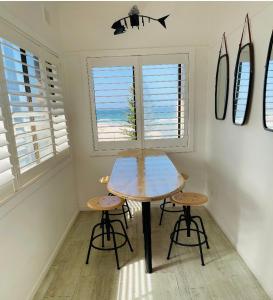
{"x":6,"y":175}
{"x":115,"y":107}
{"x":163,"y":101}
{"x":57,"y":108}
{"x":28,"y":106}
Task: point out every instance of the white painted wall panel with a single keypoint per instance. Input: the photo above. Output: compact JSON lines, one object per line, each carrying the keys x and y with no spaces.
{"x":240,"y":160}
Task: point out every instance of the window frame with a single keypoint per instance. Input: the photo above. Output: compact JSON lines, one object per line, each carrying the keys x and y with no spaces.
{"x":184,"y":146}
{"x":115,"y":145}
{"x":166,"y":143}
{"x":21,"y":180}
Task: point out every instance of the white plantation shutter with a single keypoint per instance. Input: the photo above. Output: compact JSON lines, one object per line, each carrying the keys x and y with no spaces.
{"x":139,"y":101}
{"x":113,"y":90}
{"x":165,"y":99}
{"x":6,"y":175}
{"x":34,"y":111}
{"x":28,"y":106}
{"x":56,"y":103}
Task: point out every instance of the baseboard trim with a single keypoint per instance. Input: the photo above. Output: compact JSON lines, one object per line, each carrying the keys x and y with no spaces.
{"x":52,"y":257}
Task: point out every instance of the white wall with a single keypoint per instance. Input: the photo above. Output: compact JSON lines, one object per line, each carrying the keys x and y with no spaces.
{"x":29,"y":16}
{"x":240,"y":160}
{"x":89,"y":25}
{"x":35,"y":219}
{"x":32,"y":224}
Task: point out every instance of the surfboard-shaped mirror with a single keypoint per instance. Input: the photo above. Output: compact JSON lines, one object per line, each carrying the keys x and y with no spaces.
{"x":222,"y":81}
{"x":268,"y":89}
{"x":243,"y":78}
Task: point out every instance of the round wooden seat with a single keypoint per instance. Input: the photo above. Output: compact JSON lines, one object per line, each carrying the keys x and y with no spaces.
{"x":105,"y":203}
{"x":104,"y":179}
{"x":124,"y":204}
{"x":190,"y":199}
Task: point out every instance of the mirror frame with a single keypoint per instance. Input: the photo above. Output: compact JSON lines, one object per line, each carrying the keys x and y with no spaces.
{"x":227,"y":79}
{"x":270,"y":46}
{"x":251,"y":75}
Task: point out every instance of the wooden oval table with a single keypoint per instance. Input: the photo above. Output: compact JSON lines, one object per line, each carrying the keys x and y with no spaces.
{"x":145,"y":176}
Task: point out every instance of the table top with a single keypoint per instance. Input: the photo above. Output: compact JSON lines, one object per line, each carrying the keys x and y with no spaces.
{"x":144,"y":175}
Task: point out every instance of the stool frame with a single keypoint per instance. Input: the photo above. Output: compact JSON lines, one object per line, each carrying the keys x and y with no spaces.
{"x":125,"y":209}
{"x":106,"y":231}
{"x":189,"y":219}
{"x":164,"y":209}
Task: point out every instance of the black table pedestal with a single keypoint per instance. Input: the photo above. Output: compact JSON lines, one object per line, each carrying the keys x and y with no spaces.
{"x":146,"y":221}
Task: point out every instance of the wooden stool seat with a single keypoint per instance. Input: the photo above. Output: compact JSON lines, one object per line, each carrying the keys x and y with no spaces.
{"x":105,"y":203}
{"x":190,"y":199}
{"x":125,"y":206}
{"x":104,"y":179}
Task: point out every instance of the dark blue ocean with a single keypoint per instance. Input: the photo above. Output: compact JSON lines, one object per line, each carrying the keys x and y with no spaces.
{"x":122,"y":114}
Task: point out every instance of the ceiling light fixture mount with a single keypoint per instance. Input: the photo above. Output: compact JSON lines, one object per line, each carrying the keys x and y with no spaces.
{"x":121,"y":25}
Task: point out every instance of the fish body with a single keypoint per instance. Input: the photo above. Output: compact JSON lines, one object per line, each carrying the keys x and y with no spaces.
{"x":120,"y":25}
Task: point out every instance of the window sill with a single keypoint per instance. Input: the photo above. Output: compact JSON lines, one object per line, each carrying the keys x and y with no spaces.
{"x":179,"y":149}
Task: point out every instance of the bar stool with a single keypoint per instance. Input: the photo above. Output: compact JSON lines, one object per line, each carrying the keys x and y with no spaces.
{"x":188,"y":200}
{"x":105,"y":204}
{"x":125,"y":207}
{"x":165,"y":202}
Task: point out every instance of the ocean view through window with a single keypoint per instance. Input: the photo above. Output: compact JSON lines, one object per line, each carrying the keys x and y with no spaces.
{"x":163,"y":98}
{"x":140,"y":104}
{"x":115,"y":103}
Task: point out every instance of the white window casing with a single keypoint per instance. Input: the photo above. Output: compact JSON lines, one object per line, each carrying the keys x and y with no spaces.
{"x":32,"y":106}
{"x":6,"y":172}
{"x":162,"y":102}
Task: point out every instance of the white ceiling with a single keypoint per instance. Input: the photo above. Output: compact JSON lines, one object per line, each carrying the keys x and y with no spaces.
{"x":87,"y":25}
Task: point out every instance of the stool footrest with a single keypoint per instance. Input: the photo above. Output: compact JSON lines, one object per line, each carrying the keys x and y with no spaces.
{"x":172,"y":236}
{"x":200,"y":232}
{"x":108,"y":231}
{"x":105,"y":248}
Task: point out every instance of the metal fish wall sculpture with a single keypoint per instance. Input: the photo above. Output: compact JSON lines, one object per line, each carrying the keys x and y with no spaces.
{"x":135,"y":20}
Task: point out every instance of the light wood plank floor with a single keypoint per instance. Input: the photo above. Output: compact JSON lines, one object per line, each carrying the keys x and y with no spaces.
{"x":225,"y":276}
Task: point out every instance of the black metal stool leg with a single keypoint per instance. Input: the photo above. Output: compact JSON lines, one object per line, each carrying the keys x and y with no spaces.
{"x":203,"y":228}
{"x":172,"y":239}
{"x":90,"y":244}
{"x":178,"y":226}
{"x":101,"y":219}
{"x":129,"y":210}
{"x":188,"y":220}
{"x":124,"y":215}
{"x":125,"y":233}
{"x":162,"y":211}
{"x":107,"y":223}
{"x":199,"y":241}
{"x":142,"y":212}
{"x":102,"y":237}
{"x":115,"y":245}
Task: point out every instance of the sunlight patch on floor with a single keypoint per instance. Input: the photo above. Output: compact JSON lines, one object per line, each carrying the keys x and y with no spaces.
{"x":134,"y":283}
